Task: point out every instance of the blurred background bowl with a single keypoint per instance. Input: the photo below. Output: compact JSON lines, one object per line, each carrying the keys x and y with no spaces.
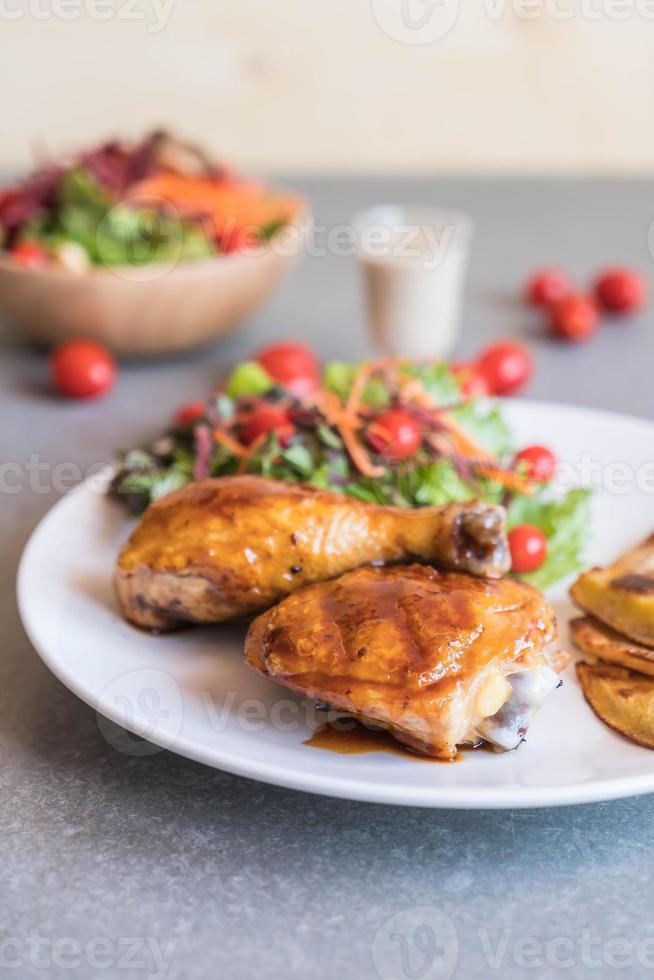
{"x":151,"y":310}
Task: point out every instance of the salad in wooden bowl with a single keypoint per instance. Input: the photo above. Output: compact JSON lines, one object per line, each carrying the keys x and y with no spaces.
{"x":149,"y":247}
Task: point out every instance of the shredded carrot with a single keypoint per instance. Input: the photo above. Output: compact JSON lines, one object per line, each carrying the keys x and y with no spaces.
{"x":230,"y":443}
{"x":441,"y":443}
{"x":484,"y":462}
{"x":365,"y":372}
{"x":347,"y":420}
{"x":251,"y":451}
{"x":506,"y":478}
{"x":346,"y":423}
{"x":357,"y":452}
{"x":328,"y":405}
{"x":412,"y":390}
{"x":449,"y":439}
{"x":465,"y":444}
{"x":231,"y":205}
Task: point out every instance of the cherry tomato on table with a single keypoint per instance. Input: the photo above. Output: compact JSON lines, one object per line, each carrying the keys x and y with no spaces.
{"x":547,"y":286}
{"x":506,"y":367}
{"x":82,"y":369}
{"x":190,"y":412}
{"x":620,"y":290}
{"x":293,"y":366}
{"x":528,"y":546}
{"x":395,"y":435}
{"x":574,"y":317}
{"x":264,"y":419}
{"x":538,"y":462}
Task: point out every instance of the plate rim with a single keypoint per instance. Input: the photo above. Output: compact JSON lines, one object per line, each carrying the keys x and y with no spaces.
{"x":434,"y":797}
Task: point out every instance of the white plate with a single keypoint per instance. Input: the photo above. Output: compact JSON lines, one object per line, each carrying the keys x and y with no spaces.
{"x":191,"y":692}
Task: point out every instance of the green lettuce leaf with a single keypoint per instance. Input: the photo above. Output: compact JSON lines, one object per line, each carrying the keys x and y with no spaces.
{"x":117,"y":234}
{"x":565,"y":523}
{"x":485,"y":425}
{"x":437,"y":379}
{"x":339,"y":377}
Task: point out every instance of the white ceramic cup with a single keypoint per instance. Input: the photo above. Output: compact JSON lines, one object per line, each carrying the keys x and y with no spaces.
{"x":413,"y":261}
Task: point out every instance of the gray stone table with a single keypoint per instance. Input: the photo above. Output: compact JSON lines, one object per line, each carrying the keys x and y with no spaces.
{"x":226,"y":878}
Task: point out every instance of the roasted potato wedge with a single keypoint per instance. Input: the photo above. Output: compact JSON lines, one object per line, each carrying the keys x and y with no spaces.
{"x":603,"y":643}
{"x":622,"y":594}
{"x":622,"y":699}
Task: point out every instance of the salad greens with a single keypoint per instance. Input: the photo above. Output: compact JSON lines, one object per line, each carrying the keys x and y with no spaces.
{"x":110,"y":233}
{"x":130,"y":204}
{"x":564,"y":521}
{"x":314,"y":448}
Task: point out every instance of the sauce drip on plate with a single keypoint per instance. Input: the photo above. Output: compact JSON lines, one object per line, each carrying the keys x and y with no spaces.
{"x":357,"y":739}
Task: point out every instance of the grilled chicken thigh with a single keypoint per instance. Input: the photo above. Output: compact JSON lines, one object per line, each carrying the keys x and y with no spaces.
{"x":227,"y":547}
{"x":440,"y":659}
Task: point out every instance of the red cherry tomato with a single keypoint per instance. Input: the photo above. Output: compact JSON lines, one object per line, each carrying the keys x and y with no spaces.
{"x":528,"y":547}
{"x":190,"y":412}
{"x":394,"y":435}
{"x":547,"y":286}
{"x":620,"y":290}
{"x":29,"y":254}
{"x":506,"y":367}
{"x":472,"y":383}
{"x":82,"y":369}
{"x":574,"y":318}
{"x":538,"y":462}
{"x":293,"y":366}
{"x":264,"y":419}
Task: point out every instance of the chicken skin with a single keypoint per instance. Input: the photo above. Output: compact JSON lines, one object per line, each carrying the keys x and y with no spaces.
{"x":439,"y":659}
{"x":222,"y":548}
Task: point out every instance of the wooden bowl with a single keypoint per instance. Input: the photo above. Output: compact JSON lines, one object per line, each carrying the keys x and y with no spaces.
{"x":144,"y":311}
